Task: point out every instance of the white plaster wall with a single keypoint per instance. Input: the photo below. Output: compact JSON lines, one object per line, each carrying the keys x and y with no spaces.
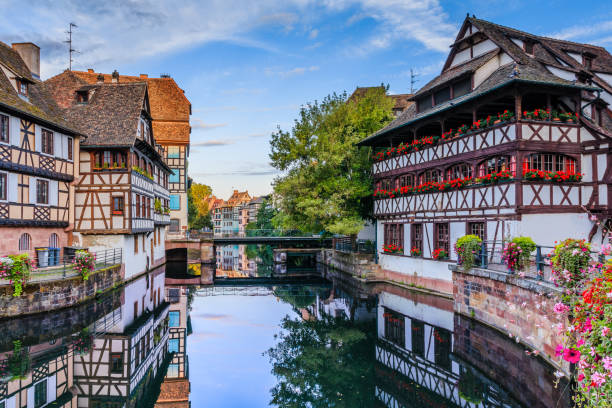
{"x":575,"y":56}
{"x":368,"y":232}
{"x":545,"y":229}
{"x":380,"y":231}
{"x":561,"y":73}
{"x":407,"y":239}
{"x":457,"y":230}
{"x":484,"y":47}
{"x":133,"y":292}
{"x":428,"y":239}
{"x":420,"y":267}
{"x":135,"y":264}
{"x":461,"y":57}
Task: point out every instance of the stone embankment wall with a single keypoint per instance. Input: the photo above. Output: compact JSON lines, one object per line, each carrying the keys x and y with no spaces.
{"x":39,"y":297}
{"x":521,"y":308}
{"x":357,"y":264}
{"x":505,"y":362}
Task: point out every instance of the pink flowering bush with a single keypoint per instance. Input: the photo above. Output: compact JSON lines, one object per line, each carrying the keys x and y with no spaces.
{"x":516,"y":253}
{"x":84,"y":263}
{"x":586,"y":304}
{"x":16,"y":268}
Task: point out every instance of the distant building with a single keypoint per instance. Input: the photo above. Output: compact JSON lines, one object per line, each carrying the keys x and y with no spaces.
{"x":39,"y":157}
{"x":170,"y":111}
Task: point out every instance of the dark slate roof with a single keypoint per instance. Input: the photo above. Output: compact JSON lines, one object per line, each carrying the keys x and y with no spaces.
{"x":39,"y":104}
{"x":456,"y":72}
{"x":530,"y":70}
{"x":110,"y":117}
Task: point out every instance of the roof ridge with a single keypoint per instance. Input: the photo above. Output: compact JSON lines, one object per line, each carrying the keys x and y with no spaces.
{"x":535,"y":35}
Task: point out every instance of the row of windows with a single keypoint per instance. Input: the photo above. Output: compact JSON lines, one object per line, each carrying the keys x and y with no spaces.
{"x":535,"y":161}
{"x":47,"y":142}
{"x":25,"y":241}
{"x":117,"y":159}
{"x":394,"y":234}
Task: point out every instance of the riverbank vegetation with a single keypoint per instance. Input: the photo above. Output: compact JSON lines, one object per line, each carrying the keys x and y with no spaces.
{"x":326,"y":182}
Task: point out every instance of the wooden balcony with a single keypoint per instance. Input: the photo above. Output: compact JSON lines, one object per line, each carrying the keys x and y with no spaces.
{"x":142,"y":225}
{"x":161,"y":219}
{"x":506,"y":198}
{"x":482,"y":142}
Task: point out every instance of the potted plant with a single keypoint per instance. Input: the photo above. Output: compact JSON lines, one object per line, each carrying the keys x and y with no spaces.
{"x":158,"y":205}
{"x":16,"y":268}
{"x":392,"y":249}
{"x":439,"y":254}
{"x":84,"y":263}
{"x":517,"y":252}
{"x":416,"y":252}
{"x":468,"y":248}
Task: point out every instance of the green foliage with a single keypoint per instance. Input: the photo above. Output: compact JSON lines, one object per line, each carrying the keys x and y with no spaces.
{"x":570,"y":262}
{"x":16,"y":268}
{"x":17,"y":365}
{"x":323,"y":363}
{"x":326,"y":183}
{"x":158,"y":205}
{"x":265,"y":216}
{"x":527,"y":246}
{"x":467,"y":247}
{"x":192,"y":209}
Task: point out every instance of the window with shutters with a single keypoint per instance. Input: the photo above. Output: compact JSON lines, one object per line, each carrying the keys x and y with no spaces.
{"x":47,"y":141}
{"x":441,"y":236}
{"x":116,"y":363}
{"x":137,"y":205}
{"x":4,"y":128}
{"x":136,"y":248}
{"x":42,"y":192}
{"x":394,"y":234}
{"x":549,"y":162}
{"x":25,"y":242}
{"x":416,"y":236}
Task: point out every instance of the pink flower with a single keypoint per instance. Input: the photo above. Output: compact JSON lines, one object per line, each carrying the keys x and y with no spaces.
{"x":560,"y":308}
{"x":571,"y":355}
{"x":559,"y":350}
{"x":604,"y":331}
{"x":607,"y":363}
{"x":583,"y":364}
{"x":580,"y":377}
{"x":598,"y":379}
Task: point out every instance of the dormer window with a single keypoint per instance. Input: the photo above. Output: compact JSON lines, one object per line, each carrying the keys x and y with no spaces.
{"x":528,"y":46}
{"x":82,"y":96}
{"x":22,"y":87}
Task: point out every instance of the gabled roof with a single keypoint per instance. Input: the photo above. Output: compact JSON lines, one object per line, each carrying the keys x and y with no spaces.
{"x":523,"y":68}
{"x":110,"y":117}
{"x":38,"y":105}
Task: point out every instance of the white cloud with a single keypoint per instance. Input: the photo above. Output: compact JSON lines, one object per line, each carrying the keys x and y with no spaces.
{"x":313,"y":34}
{"x":291,"y":72}
{"x":117,"y":32}
{"x":199,"y":124}
{"x":584,"y":31}
{"x":212,"y":143}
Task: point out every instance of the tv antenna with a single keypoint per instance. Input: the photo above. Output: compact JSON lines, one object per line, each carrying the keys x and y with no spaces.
{"x":69,"y":42}
{"x":413,"y":80}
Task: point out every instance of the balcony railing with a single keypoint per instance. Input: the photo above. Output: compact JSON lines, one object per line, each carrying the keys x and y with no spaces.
{"x":160,"y":218}
{"x":481,"y":140}
{"x":498,"y":198}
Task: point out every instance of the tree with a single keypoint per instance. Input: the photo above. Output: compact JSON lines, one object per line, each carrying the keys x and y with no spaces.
{"x":326,"y":183}
{"x":198,"y":214}
{"x":201,"y":192}
{"x":323,"y":363}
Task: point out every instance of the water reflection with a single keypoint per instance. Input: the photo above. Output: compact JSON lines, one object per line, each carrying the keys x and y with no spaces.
{"x":335,"y":343}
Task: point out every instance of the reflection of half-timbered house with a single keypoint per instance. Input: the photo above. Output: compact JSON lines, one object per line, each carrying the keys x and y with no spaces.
{"x":122,"y":198}
{"x":128,"y":356}
{"x":170,"y":111}
{"x":38,"y":155}
{"x":512,"y":138}
{"x":47,"y":376}
{"x":414,"y":355}
{"x":176,"y":387}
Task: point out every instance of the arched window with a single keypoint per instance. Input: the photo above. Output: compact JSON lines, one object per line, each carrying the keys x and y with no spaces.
{"x":495,"y":165}
{"x":53,"y":241}
{"x":433,"y":175}
{"x":25,"y":242}
{"x":459,"y":171}
{"x":385,"y":184}
{"x":549,"y":162}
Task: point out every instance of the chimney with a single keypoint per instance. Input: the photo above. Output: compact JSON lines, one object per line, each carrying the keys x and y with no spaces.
{"x":90,"y":70}
{"x":144,"y":76}
{"x":115,"y":77}
{"x":100,"y":78}
{"x":30,"y":54}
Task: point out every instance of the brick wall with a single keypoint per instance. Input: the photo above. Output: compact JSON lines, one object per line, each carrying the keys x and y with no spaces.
{"x":517,"y":307}
{"x":526,"y":378}
{"x":41,"y":297}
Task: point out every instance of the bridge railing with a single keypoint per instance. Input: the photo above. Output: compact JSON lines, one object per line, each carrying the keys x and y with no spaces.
{"x":265,"y":233}
{"x":348,"y":244}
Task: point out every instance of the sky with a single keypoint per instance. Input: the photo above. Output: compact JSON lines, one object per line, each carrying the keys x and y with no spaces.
{"x":247,"y":66}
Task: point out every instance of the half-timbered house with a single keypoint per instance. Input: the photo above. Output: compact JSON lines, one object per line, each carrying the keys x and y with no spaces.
{"x":124,"y":360}
{"x":122,"y":197}
{"x":38,"y":157}
{"x":512,"y":138}
{"x":170,"y":111}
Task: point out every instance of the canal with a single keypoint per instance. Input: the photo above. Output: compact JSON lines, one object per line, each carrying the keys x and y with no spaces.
{"x":326,"y":342}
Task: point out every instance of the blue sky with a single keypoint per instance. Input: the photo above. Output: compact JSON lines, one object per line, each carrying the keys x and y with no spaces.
{"x":248,"y":66}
